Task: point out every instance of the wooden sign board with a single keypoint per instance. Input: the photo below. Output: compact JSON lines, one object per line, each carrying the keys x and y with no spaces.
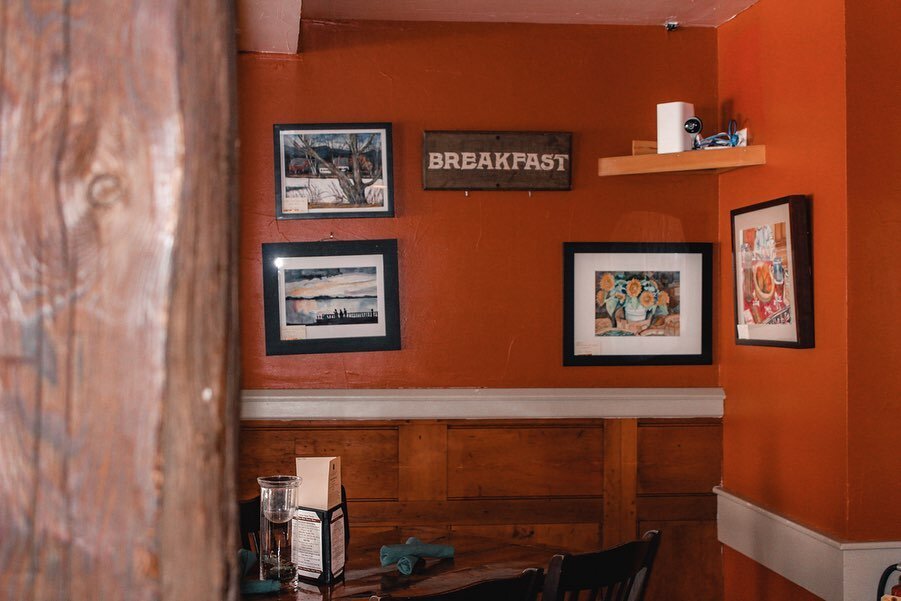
{"x":496,"y":160}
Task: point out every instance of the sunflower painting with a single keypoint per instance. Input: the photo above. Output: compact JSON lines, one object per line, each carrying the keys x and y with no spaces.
{"x":637,"y":303}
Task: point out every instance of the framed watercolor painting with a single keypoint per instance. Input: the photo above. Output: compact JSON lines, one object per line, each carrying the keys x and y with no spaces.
{"x":772,"y":263}
{"x":331,"y":297}
{"x":636,"y":303}
{"x":331,"y":170}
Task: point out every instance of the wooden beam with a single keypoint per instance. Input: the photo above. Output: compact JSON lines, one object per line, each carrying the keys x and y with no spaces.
{"x":620,"y":480}
{"x":269,"y":26}
{"x":117,"y":300}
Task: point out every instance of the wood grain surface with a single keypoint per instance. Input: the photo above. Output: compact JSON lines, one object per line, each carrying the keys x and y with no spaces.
{"x":117,"y":287}
{"x":575,"y":484}
{"x":475,"y":558}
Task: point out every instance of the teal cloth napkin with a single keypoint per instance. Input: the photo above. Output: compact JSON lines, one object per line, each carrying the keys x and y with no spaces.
{"x":406,"y":555}
{"x":246,"y":560}
{"x":407,"y":563}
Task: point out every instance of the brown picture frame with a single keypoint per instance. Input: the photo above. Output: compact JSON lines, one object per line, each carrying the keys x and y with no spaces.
{"x":772,"y":265}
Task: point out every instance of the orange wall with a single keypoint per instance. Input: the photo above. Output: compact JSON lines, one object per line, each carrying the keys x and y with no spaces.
{"x":480,"y":277}
{"x":781,"y":69}
{"x":874,"y":214}
{"x":758,"y":583}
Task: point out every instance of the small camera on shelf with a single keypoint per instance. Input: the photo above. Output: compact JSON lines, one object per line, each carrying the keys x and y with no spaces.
{"x":694,"y":125}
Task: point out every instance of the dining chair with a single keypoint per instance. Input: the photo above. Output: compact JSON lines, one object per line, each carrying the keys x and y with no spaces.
{"x":619,"y":573}
{"x":518,"y":588}
{"x":249,"y":521}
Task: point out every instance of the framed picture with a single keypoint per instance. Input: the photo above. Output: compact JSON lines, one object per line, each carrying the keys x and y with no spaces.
{"x":637,"y":303}
{"x":771,"y":249}
{"x":331,"y":297}
{"x":333,"y":170}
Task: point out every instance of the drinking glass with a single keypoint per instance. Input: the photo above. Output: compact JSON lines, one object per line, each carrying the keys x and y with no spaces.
{"x":278,"y":499}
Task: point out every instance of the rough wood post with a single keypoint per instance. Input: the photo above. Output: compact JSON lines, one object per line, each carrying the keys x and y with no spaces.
{"x":117,"y":300}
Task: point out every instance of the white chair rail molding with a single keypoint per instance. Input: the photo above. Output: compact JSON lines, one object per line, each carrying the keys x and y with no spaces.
{"x":482,"y":403}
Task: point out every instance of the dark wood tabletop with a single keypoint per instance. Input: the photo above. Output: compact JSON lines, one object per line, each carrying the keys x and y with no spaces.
{"x":476,"y":558}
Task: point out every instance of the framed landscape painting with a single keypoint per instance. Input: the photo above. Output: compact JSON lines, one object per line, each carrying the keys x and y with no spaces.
{"x":331,"y":297}
{"x":331,"y":170}
{"x":636,"y":303}
{"x":771,"y":250}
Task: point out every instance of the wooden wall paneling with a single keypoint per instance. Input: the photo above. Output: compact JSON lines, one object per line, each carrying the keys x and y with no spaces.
{"x":572,"y":537}
{"x":677,"y":507}
{"x":679,"y":462}
{"x":369,"y":457}
{"x":679,"y":456}
{"x":264,"y":452}
{"x":117,"y":232}
{"x":523,"y":480}
{"x":689,"y":562}
{"x":520,"y":460}
{"x":422,"y":461}
{"x":478,"y":511}
{"x":620,"y":481}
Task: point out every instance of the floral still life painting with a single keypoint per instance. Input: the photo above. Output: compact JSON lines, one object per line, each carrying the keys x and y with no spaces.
{"x":637,"y":303}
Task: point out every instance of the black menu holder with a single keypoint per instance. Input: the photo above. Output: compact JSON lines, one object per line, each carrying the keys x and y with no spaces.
{"x":319,"y":541}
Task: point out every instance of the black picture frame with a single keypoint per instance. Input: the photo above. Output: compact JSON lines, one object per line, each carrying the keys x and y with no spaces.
{"x":677,"y":325}
{"x":331,"y":297}
{"x":333,"y":170}
{"x":773,"y":274}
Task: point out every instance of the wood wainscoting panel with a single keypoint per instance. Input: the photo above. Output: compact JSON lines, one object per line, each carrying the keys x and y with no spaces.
{"x":477,"y":512}
{"x":369,"y":457}
{"x":521,"y":460}
{"x":574,"y":538}
{"x":620,"y":474}
{"x":679,"y":456}
{"x":574,"y":484}
{"x":689,"y":563}
{"x":263,"y":452}
{"x":369,"y":454}
{"x":422,"y":456}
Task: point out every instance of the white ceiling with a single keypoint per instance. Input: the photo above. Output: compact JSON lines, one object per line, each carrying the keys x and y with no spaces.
{"x":691,"y":13}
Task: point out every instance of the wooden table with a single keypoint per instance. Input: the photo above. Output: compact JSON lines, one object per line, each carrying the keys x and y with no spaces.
{"x":476,"y":558}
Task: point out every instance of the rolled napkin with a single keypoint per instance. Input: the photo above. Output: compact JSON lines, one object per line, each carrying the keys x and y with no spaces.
{"x":406,"y":565}
{"x":246,"y":560}
{"x":406,"y":555}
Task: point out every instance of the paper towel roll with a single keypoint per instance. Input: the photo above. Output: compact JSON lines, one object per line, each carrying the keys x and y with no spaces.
{"x":671,"y":134}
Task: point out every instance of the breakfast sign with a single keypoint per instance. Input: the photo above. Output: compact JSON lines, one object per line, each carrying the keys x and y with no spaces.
{"x":499,"y":160}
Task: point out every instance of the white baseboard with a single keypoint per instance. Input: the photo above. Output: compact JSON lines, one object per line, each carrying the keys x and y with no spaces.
{"x":482,"y":403}
{"x":832,"y":569}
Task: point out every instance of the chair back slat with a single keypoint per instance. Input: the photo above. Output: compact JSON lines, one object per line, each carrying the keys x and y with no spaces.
{"x":612,"y":571}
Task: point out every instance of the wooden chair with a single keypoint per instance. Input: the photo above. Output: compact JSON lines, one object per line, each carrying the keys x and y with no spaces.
{"x":518,"y":588}
{"x":613,"y":574}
